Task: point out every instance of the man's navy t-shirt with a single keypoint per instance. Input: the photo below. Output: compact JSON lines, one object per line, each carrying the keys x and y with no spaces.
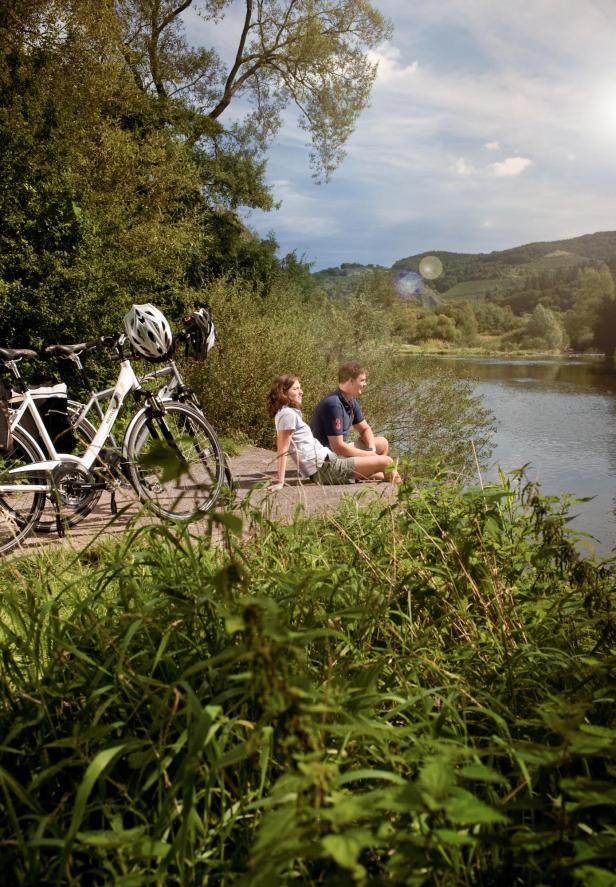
{"x":334,"y":415}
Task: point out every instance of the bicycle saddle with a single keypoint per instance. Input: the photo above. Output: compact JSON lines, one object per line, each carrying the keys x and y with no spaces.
{"x":66,"y":349}
{"x":15,"y":353}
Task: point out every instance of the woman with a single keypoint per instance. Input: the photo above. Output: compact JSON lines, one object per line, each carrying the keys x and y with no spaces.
{"x":314,"y":461}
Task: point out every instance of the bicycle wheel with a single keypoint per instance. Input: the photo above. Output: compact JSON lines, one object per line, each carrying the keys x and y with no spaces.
{"x":175,"y":462}
{"x":69,"y":502}
{"x":20,"y":508}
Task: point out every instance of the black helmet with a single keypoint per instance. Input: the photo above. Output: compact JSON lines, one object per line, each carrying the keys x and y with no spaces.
{"x":200,"y":331}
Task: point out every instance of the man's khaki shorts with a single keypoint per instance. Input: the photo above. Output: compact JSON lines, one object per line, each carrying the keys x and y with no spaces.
{"x":337,"y":470}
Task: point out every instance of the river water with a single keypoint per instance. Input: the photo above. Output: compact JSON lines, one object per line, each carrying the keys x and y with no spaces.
{"x":559,"y":416}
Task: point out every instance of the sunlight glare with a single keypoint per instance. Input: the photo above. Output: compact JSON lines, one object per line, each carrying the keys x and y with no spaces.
{"x":606,"y":111}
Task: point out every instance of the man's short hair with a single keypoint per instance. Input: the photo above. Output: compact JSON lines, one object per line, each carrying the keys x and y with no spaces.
{"x":350,"y":370}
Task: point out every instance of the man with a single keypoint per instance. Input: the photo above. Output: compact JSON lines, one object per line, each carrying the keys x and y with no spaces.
{"x":336,"y":414}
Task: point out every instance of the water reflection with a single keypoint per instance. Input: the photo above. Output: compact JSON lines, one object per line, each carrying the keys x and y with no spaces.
{"x":559,"y":415}
{"x":576,"y":374}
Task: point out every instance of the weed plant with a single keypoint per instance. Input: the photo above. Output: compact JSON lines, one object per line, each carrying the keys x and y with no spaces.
{"x":414,"y":694}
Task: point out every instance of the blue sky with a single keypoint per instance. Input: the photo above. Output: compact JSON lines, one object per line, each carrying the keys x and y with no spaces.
{"x":491,"y":125}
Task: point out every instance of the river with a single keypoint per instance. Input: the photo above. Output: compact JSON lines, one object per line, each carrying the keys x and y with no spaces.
{"x":559,"y":415}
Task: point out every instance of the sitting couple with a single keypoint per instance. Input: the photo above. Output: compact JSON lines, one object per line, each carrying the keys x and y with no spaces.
{"x":321,"y":451}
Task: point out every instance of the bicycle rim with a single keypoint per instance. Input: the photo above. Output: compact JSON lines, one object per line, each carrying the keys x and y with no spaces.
{"x":176,"y":462}
{"x":19,"y":509}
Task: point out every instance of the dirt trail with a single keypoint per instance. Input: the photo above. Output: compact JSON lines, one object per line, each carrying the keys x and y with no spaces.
{"x":252,"y":467}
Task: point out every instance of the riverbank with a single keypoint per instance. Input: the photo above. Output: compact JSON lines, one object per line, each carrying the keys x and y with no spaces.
{"x":445,"y":349}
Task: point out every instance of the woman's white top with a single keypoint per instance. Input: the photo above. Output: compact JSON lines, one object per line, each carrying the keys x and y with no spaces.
{"x":306,"y":451}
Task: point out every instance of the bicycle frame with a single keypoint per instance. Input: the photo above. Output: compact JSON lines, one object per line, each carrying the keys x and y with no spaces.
{"x":127,"y":382}
{"x":166,"y":392}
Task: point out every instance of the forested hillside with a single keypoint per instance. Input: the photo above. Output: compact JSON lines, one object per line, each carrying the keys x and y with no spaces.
{"x":540,"y":296}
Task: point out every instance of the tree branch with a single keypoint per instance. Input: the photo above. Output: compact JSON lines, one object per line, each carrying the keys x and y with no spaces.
{"x":230,"y":85}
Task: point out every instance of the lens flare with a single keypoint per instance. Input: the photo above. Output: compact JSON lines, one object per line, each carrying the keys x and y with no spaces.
{"x":430,"y":267}
{"x":408,"y":284}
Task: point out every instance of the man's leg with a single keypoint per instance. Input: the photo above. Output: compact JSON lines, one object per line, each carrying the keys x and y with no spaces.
{"x":373,"y":467}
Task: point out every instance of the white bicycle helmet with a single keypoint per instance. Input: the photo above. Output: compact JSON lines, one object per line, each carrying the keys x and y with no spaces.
{"x":148,"y":331}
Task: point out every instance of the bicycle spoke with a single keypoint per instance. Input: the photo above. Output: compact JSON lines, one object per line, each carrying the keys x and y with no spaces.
{"x":177,"y":464}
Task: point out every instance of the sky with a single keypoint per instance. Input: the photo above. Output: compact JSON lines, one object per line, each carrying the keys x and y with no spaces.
{"x":491,"y":124}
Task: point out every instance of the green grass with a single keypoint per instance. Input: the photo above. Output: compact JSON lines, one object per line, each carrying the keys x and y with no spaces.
{"x":410,"y":694}
{"x":477,"y":289}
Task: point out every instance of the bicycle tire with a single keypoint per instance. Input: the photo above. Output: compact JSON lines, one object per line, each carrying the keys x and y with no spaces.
{"x":193,"y":401}
{"x":70,"y":513}
{"x":19,"y":510}
{"x":156,"y":446}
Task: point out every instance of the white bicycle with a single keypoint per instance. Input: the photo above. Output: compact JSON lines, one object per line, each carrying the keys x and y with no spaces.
{"x":198,"y":335}
{"x":169,"y":453}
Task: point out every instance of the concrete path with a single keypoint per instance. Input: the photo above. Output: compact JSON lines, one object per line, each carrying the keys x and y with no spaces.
{"x":253,"y":470}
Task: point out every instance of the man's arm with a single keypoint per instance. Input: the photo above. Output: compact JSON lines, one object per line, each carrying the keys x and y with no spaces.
{"x":366,"y":434}
{"x":341,"y":447}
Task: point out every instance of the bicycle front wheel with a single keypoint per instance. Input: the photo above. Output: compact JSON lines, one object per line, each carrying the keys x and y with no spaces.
{"x":176,"y":462}
{"x":20,"y":507}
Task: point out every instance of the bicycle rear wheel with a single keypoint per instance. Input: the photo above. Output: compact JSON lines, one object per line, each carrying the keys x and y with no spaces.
{"x":67,"y":502}
{"x":176,"y":462}
{"x":20,"y":508}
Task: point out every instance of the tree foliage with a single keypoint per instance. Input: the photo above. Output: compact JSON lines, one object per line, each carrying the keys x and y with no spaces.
{"x":119,"y":181}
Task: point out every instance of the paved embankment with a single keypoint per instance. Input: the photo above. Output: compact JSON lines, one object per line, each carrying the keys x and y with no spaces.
{"x":253,"y":469}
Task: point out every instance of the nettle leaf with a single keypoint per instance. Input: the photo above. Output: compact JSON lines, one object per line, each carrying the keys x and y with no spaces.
{"x":593,"y":876}
{"x":454,"y":839}
{"x":163,"y":457}
{"x":464,"y":808}
{"x":231,"y":521}
{"x":482,"y":773}
{"x":349,"y":808}
{"x":436,"y":779}
{"x":345,"y":849}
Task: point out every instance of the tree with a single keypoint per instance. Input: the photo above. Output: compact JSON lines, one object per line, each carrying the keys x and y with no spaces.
{"x":595,"y":288}
{"x":461,"y":312}
{"x":605,"y":324}
{"x":543,"y":325}
{"x":312,"y":53}
{"x":494,"y":318}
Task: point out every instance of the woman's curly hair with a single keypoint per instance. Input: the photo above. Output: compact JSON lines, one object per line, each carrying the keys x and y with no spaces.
{"x":277,"y":395}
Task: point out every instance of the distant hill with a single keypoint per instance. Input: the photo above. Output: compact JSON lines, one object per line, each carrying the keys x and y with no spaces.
{"x":473,"y":275}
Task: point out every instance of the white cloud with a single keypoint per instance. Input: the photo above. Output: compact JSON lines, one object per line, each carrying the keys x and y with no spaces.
{"x":492,"y":146}
{"x":463,"y":168}
{"x":387,"y":57}
{"x":512,"y":166}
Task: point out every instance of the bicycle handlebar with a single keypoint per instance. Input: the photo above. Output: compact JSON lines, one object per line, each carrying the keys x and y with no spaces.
{"x":108,"y":341}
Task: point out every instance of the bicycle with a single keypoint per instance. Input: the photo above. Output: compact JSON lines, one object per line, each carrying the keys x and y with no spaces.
{"x":199,"y":335}
{"x":169,"y":453}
